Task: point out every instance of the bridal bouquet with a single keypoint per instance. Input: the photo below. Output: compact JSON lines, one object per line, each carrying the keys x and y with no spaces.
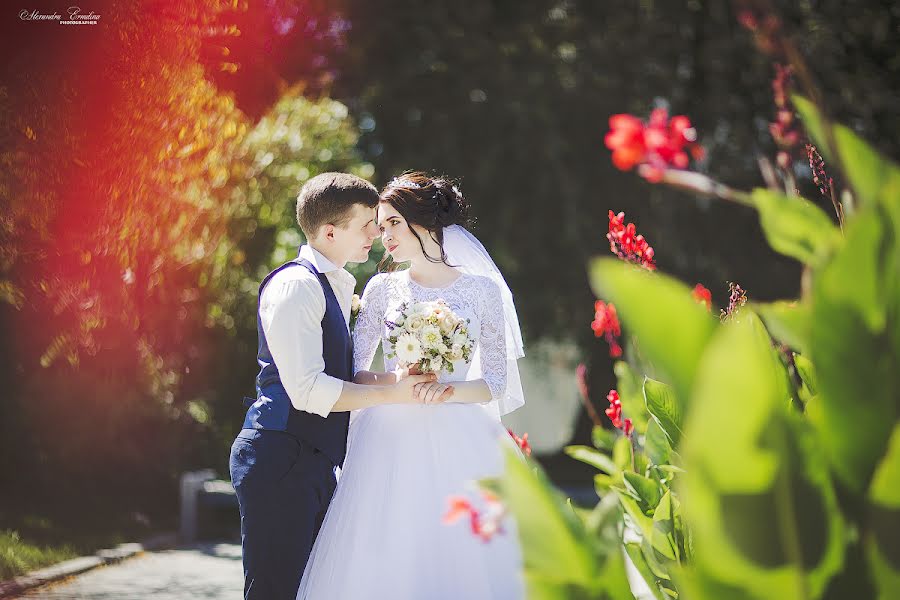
{"x":430,"y":336}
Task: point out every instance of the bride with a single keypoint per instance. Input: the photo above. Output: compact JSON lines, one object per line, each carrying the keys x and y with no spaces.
{"x":383,"y":536}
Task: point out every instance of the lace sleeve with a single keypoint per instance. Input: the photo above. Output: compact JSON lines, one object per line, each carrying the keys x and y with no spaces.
{"x":493,"y":340}
{"x":369,"y":324}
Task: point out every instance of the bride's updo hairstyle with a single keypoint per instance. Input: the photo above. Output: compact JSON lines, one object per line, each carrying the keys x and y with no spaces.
{"x":429,"y":202}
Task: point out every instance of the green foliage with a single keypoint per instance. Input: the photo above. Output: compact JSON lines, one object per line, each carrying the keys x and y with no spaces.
{"x":18,"y":557}
{"x":795,"y":226}
{"x":757,"y":491}
{"x":756,"y":429}
{"x":140,"y":205}
{"x":561,"y":559}
{"x":884,"y":525}
{"x":648,"y":303}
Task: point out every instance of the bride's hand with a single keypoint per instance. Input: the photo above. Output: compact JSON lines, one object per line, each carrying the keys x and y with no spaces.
{"x":402,"y":373}
{"x":433,"y":392}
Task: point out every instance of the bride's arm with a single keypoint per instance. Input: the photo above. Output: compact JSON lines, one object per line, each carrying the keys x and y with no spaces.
{"x":492,"y":348}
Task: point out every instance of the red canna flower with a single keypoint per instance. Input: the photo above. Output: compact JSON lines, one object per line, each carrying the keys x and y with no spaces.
{"x":459,"y":506}
{"x":522,"y":442}
{"x":614,"y":412}
{"x":627,"y":244}
{"x":606,"y":325}
{"x":626,"y":140}
{"x":702,"y":296}
{"x":653,"y":146}
{"x":483,"y":523}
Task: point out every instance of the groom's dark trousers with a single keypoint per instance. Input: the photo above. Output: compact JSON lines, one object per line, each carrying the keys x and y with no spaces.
{"x":283,"y":462}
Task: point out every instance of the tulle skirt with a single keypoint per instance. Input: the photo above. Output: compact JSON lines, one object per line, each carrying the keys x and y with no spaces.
{"x":383,"y":536}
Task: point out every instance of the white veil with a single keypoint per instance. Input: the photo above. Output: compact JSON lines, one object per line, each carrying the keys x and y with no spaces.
{"x":466,"y":253}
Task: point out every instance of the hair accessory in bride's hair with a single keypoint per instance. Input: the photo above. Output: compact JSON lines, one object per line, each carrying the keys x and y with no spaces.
{"x":403,"y":183}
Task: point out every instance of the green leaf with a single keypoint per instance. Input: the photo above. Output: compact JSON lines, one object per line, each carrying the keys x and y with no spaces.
{"x":665,"y":408}
{"x":807,"y":372}
{"x":623,"y":454}
{"x":593,"y":458}
{"x":795,"y":226}
{"x":555,"y":544}
{"x":758,"y":497}
{"x":605,"y":516}
{"x":645,"y":490}
{"x":663,"y":537}
{"x":660,"y":313}
{"x":603,"y":483}
{"x":884,"y":524}
{"x":603,"y":438}
{"x":640,"y":562}
{"x":656,"y":444}
{"x":628,"y":384}
{"x":789,"y":322}
{"x":853,"y":351}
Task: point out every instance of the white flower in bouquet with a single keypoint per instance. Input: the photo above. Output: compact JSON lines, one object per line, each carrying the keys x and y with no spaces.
{"x":460,"y":338}
{"x":408,"y":349}
{"x":429,"y":335}
{"x":449,"y":323}
{"x":415,"y":323}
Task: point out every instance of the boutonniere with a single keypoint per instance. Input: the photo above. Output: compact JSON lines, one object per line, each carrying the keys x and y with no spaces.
{"x":354,"y":309}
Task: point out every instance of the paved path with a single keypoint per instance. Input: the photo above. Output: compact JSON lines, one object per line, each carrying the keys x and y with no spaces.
{"x":208,"y":571}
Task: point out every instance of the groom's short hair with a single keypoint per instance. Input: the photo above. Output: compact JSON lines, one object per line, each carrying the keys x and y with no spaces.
{"x":329,"y":197}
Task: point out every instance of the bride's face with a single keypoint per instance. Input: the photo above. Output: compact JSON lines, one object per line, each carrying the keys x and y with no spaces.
{"x":396,"y":236}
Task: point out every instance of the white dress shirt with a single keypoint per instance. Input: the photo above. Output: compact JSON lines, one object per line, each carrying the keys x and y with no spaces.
{"x":291,"y":309}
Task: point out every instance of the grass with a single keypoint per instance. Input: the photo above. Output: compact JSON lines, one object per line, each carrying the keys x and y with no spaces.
{"x":18,"y":556}
{"x":29,"y":541}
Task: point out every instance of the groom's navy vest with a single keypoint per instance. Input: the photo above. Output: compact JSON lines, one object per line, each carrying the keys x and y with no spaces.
{"x":273,"y":409}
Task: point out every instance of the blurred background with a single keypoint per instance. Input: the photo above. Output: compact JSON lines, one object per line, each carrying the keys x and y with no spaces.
{"x":149,"y":166}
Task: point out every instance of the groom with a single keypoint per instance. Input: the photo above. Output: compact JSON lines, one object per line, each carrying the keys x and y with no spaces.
{"x":294,"y":436}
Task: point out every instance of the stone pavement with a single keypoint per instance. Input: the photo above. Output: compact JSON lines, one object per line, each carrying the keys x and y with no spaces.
{"x":205,"y":571}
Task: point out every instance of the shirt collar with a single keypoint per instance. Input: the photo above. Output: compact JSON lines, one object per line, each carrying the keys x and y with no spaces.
{"x":322,"y":264}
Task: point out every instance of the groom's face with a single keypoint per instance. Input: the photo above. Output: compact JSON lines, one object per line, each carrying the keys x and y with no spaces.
{"x":354,"y":240}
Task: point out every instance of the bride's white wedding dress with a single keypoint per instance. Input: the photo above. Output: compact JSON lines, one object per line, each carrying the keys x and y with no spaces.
{"x":383,"y":536}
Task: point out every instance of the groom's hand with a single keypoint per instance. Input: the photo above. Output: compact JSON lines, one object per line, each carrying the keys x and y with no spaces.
{"x":406,"y":387}
{"x":433,"y":392}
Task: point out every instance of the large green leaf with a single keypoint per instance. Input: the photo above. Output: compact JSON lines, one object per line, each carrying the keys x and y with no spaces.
{"x":560,"y":555}
{"x":757,"y":493}
{"x":656,"y":444}
{"x":883,"y":546}
{"x":671,"y":328}
{"x":857,"y":365}
{"x":789,"y":321}
{"x":664,"y":407}
{"x":664,"y":538}
{"x":796,"y":227}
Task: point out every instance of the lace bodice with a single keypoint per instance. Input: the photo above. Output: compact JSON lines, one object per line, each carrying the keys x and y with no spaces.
{"x":470,"y":296}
